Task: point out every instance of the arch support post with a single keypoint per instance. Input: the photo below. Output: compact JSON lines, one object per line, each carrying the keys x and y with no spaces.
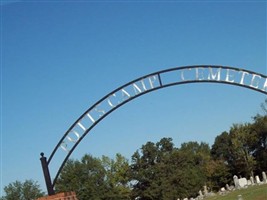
{"x":48,"y":182}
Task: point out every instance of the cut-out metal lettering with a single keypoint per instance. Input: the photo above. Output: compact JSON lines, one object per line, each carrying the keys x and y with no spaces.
{"x":264,"y":88}
{"x":110,"y":102}
{"x":146,"y":84}
{"x":212,"y":76}
{"x":90,"y":117}
{"x":243,"y":77}
{"x":138,"y":89}
{"x":200,"y":74}
{"x":229,"y":76}
{"x":125,"y":94}
{"x":76,"y":137}
{"x":80,"y":125}
{"x":152,"y":81}
{"x":255,"y":81}
{"x":64,"y":146}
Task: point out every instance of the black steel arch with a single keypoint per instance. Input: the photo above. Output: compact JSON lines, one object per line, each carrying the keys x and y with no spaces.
{"x":143,"y":85}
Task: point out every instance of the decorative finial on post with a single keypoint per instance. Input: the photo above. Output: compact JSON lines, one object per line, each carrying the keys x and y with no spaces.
{"x":48,"y":182}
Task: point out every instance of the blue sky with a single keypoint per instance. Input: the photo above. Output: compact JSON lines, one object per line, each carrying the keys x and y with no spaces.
{"x":59,"y":58}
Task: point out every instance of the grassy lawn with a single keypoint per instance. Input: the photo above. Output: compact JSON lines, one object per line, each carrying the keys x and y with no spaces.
{"x":251,"y":193}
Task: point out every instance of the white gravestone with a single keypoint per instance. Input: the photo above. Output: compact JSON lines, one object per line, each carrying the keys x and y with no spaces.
{"x":205,"y":190}
{"x":242,"y":182}
{"x":264,"y":177}
{"x":236,"y":182}
{"x":252,"y":180}
{"x":258,"y":180}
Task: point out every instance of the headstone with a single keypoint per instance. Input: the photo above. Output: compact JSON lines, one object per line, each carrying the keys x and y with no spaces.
{"x":222,"y":191}
{"x":249,"y":182}
{"x":252,"y":180}
{"x":264,"y":177}
{"x":257,"y":180}
{"x":242,"y":182}
{"x":232,"y":187}
{"x":239,"y":197}
{"x":236,"y":182}
{"x":205,"y":190}
{"x":227,"y":187}
{"x":200,"y":193}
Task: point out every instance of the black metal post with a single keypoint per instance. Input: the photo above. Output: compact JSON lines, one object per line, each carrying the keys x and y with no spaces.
{"x":48,"y":182}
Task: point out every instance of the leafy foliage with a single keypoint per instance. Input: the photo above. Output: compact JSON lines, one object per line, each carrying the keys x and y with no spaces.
{"x":86,"y":177}
{"x":244,"y":148}
{"x":160,"y":170}
{"x":93,"y":178}
{"x":260,"y":146}
{"x":27,"y":190}
{"x":241,"y":141}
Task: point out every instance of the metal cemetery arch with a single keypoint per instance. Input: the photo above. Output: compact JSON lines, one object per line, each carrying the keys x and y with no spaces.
{"x":141,"y":86}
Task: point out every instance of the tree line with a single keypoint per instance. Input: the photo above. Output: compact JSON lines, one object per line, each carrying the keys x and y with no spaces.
{"x":162,"y":171}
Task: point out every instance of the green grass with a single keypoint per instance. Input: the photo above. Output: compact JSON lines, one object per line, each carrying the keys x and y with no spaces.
{"x":250,"y":193}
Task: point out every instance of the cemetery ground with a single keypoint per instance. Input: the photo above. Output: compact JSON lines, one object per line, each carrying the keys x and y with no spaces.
{"x":251,"y":193}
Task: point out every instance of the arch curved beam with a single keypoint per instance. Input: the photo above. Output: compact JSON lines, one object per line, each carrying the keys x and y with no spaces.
{"x":148,"y":83}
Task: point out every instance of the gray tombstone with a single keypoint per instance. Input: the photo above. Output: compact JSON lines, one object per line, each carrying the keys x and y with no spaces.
{"x":252,"y":180}
{"x":242,"y":182}
{"x":236,"y":182}
{"x":205,"y":191}
{"x":264,"y":177}
{"x":257,"y":180}
{"x":227,"y":187}
{"x":200,"y":193}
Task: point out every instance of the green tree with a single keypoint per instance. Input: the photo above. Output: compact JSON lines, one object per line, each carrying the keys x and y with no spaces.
{"x":85,"y":177}
{"x":187,"y":178}
{"x":236,"y":149}
{"x":160,"y":171}
{"x":143,"y":172}
{"x":221,"y":147}
{"x":259,"y":128}
{"x":198,"y":157}
{"x":264,"y":107}
{"x":117,"y":178}
{"x":94,"y":178}
{"x":218,"y":174}
{"x":242,"y":141}
{"x":200,"y":152}
{"x":27,"y":190}
{"x":219,"y":170}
